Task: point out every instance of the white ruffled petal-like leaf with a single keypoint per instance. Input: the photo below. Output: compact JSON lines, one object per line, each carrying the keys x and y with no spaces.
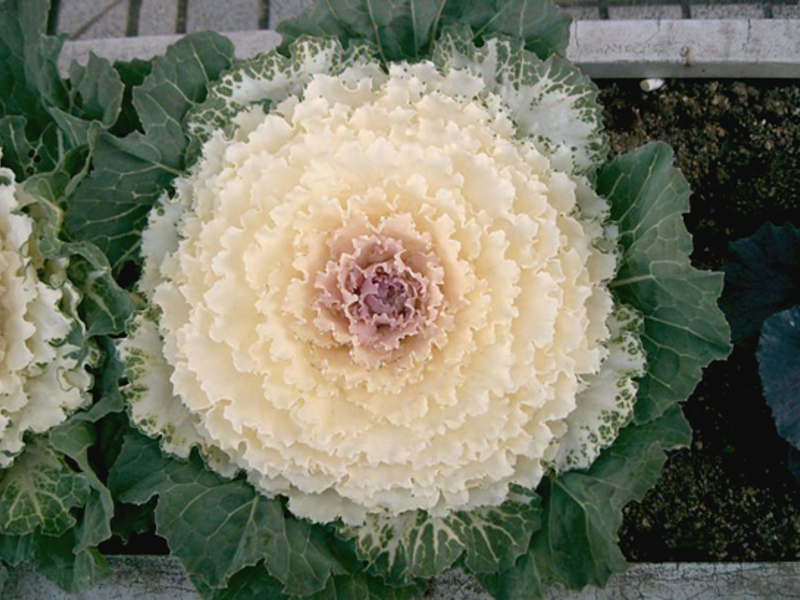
{"x":42,"y":372}
{"x":550,"y":100}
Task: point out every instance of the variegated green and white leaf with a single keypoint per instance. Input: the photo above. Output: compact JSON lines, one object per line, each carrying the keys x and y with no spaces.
{"x":39,"y":491}
{"x":270,"y":78}
{"x":417,"y":545}
{"x":605,"y":405}
{"x":148,"y":375}
{"x":551,"y":101}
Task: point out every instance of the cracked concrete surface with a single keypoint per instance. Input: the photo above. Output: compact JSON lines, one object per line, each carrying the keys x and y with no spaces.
{"x":162,"y":578}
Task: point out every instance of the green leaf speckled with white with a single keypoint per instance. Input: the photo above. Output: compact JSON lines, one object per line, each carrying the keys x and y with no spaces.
{"x":416,"y":545}
{"x":551,"y":101}
{"x":39,"y":491}
{"x":267,"y":79}
{"x":606,"y":403}
{"x":684,"y":329}
{"x":148,"y":375}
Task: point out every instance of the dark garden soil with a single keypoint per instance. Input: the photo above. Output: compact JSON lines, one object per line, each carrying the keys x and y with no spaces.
{"x":730,"y":497}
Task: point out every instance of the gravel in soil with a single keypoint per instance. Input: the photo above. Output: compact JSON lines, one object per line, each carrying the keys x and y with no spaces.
{"x":730,"y":497}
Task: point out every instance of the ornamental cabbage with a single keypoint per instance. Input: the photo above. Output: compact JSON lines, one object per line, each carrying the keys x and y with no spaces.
{"x":381,"y":297}
{"x":57,"y":299}
{"x":399,"y":312}
{"x":43,"y":378}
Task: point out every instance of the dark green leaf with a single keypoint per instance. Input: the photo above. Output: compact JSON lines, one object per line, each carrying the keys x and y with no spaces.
{"x":95,"y":99}
{"x":577,"y":545}
{"x":684,"y":329}
{"x":406,"y":29}
{"x":104,"y":306}
{"x":110,"y":207}
{"x":794,"y":462}
{"x":219,"y":527}
{"x":72,"y":570}
{"x":27,"y":156}
{"x":16,"y":549}
{"x":73,"y":439}
{"x":543,"y":26}
{"x":779,"y":367}
{"x":29,"y":79}
{"x":249,"y":583}
{"x":762,"y":277}
{"x":96,"y":91}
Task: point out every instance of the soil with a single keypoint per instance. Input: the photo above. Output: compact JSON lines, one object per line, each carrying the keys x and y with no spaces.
{"x":730,"y":497}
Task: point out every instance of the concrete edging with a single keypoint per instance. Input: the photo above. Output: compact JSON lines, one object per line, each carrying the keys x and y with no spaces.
{"x":730,"y":48}
{"x":163,"y":578}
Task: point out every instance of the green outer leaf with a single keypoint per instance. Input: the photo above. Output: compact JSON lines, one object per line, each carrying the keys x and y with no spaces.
{"x":39,"y":491}
{"x":256,"y":582}
{"x":416,"y":545}
{"x":16,"y":549}
{"x":406,"y":29}
{"x":578,"y":544}
{"x":110,"y":207}
{"x":249,"y":583}
{"x":73,"y":439}
{"x":26,"y":156}
{"x":219,"y":527}
{"x":684,"y":329}
{"x":29,"y":79}
{"x":95,"y":99}
{"x":104,"y":306}
{"x":72,"y":570}
{"x":132,"y":74}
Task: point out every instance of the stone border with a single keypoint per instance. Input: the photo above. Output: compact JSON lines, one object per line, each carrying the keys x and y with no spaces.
{"x":163,"y":578}
{"x":731,"y":48}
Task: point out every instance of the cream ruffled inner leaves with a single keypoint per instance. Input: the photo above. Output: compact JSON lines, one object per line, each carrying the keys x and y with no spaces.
{"x":267,"y":265}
